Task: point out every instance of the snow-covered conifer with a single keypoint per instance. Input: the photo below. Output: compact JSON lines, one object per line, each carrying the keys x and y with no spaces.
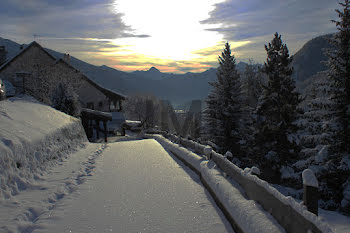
{"x":338,"y":165}
{"x":277,"y":110}
{"x":65,"y":100}
{"x":252,"y":83}
{"x":339,"y":75}
{"x":223,"y":112}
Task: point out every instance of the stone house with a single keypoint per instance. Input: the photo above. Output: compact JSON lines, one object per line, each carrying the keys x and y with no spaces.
{"x":34,"y":71}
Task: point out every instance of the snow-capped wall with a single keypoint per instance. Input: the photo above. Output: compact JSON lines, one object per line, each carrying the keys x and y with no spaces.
{"x":289,"y":213}
{"x":33,"y":136}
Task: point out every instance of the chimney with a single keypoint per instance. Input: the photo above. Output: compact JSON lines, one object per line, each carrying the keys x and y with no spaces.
{"x":3,"y":53}
{"x":66,"y":58}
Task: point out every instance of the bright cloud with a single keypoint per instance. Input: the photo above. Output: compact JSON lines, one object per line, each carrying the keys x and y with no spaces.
{"x":174,"y":27}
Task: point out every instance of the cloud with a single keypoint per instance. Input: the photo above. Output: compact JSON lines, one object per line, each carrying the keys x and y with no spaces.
{"x":63,"y":19}
{"x":256,"y":21}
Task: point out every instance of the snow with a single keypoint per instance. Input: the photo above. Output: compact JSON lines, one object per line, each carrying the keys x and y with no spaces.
{"x":137,"y":187}
{"x":301,"y":209}
{"x":193,"y":159}
{"x":33,"y":136}
{"x":228,"y":155}
{"x":322,"y":154}
{"x":229,"y":192}
{"x":21,"y":212}
{"x":118,"y":119}
{"x":125,"y":186}
{"x":207,"y":151}
{"x":338,"y":222}
{"x":288,"y":172}
{"x":255,"y":171}
{"x":133,"y":123}
{"x":247,"y":213}
{"x":309,"y":178}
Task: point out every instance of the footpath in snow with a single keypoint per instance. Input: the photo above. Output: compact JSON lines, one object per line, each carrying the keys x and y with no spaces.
{"x":137,"y":187}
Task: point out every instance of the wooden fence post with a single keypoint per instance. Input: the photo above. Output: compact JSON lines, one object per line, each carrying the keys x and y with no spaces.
{"x":105,"y":130}
{"x":207,"y":152}
{"x":310,"y":195}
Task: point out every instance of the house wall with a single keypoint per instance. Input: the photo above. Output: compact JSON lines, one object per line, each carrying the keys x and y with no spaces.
{"x":33,"y":61}
{"x":36,"y":64}
{"x":50,"y":73}
{"x":87,"y":92}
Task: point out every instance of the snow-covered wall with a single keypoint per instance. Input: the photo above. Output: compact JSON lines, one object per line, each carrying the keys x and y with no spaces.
{"x":33,"y":136}
{"x":289,"y":213}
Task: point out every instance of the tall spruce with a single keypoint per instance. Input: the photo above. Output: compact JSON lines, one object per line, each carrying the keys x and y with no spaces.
{"x":223,"y":112}
{"x":316,"y":123}
{"x":338,"y":177}
{"x":252,"y":83}
{"x":276,"y":111}
{"x":317,"y":131}
{"x":339,"y":75}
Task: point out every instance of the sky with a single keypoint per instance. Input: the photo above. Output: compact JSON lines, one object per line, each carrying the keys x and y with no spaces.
{"x":176,"y":36}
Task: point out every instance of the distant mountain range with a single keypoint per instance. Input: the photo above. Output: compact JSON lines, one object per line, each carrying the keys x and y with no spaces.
{"x":181,"y":88}
{"x":310,"y":59}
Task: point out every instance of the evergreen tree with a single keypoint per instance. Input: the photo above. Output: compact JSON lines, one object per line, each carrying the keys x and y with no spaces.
{"x":339,"y":75}
{"x":223,"y":112}
{"x":276,"y":113}
{"x":318,"y":129}
{"x":66,"y":100}
{"x":316,"y":123}
{"x":252,"y":84}
{"x":337,"y":177}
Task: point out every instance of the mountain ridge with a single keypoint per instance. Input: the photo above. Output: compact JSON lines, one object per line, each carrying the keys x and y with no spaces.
{"x":181,"y":88}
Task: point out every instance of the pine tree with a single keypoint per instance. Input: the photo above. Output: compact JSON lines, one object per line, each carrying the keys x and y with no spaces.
{"x":223,"y":112}
{"x":338,"y":174}
{"x":276,"y":113}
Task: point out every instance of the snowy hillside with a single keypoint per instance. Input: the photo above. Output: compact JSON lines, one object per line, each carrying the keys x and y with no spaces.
{"x":33,"y":136}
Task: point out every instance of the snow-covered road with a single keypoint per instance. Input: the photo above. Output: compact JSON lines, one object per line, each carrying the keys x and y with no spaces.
{"x":137,"y":187}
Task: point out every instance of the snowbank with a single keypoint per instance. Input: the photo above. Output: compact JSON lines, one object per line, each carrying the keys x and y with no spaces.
{"x":285,"y":209}
{"x":246,"y":214}
{"x":32,"y":137}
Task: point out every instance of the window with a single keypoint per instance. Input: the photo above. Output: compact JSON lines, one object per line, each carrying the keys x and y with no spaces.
{"x":90,"y":105}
